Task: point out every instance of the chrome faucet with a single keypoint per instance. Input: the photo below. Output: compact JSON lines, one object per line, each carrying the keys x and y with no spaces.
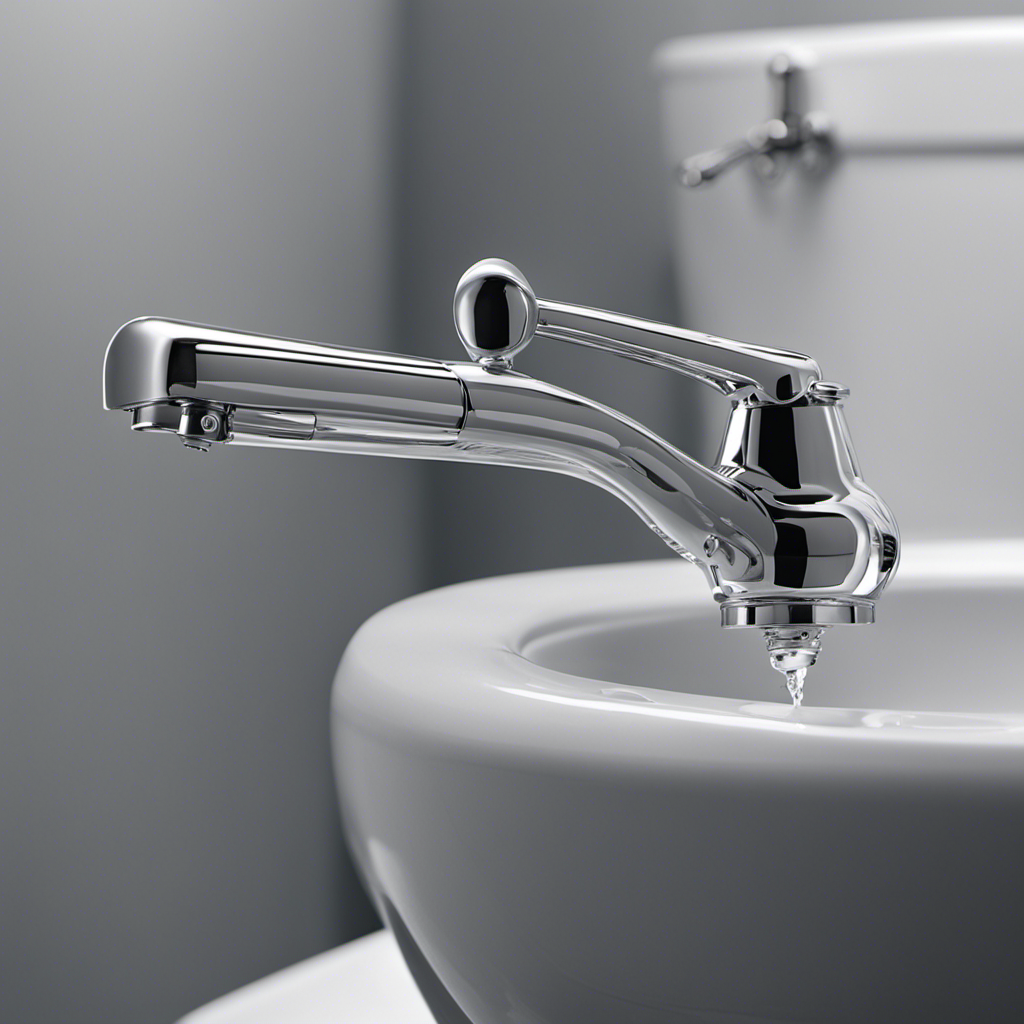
{"x":789,"y":537}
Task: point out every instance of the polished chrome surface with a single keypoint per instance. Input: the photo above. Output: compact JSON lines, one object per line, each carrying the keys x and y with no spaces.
{"x":790,"y":131}
{"x":273,"y":423}
{"x":495,"y":311}
{"x":734,"y":368}
{"x":783,"y":527}
{"x":819,"y":611}
{"x":361,"y":392}
{"x":515,"y":420}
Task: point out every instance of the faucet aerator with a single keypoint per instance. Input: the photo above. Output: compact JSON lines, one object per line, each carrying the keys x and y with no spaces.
{"x":792,"y":648}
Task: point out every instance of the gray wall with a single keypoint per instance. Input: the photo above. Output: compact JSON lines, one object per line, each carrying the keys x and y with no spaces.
{"x":171,"y":621}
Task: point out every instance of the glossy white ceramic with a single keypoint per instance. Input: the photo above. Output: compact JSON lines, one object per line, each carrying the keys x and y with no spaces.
{"x":362,"y":982}
{"x":577,"y":799}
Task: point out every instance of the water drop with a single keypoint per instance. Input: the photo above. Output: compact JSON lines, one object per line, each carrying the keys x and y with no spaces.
{"x":792,"y":650}
{"x":795,"y":684}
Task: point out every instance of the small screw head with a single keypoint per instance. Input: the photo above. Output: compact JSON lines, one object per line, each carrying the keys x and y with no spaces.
{"x":495,"y":311}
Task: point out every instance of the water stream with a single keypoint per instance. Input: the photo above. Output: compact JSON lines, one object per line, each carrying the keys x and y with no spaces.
{"x":792,"y":650}
{"x":795,"y":685}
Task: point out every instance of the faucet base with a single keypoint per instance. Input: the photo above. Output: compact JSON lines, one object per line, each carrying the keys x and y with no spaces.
{"x":824,"y":611}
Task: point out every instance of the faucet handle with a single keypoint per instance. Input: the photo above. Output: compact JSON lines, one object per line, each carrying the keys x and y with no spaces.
{"x":497,"y":314}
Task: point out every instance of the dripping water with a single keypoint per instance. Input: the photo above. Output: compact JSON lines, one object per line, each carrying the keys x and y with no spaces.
{"x":795,"y":685}
{"x":792,"y":650}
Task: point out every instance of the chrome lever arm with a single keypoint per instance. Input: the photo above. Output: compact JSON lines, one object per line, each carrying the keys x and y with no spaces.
{"x":768,"y":374}
{"x":696,"y":170}
{"x":791,"y":129}
{"x":729,"y":366}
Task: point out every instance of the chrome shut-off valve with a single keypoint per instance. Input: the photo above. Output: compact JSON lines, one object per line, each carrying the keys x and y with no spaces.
{"x":789,"y":536}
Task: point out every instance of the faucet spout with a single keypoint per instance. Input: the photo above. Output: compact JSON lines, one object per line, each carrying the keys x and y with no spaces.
{"x":278,"y":388}
{"x":211,"y":385}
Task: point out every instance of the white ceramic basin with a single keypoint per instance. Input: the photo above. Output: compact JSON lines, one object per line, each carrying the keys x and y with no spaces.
{"x":576,"y":799}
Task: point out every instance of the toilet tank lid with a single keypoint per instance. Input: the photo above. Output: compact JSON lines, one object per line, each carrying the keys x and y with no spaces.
{"x":958,"y":81}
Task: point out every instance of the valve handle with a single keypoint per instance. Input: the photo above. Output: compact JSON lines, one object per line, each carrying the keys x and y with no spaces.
{"x":497,"y":314}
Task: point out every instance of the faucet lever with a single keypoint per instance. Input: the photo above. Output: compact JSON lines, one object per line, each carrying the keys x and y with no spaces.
{"x":497,"y":314}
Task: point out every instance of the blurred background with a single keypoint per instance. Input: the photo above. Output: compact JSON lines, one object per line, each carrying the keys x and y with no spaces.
{"x":172,"y":621}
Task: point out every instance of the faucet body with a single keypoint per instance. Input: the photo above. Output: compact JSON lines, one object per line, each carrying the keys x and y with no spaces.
{"x":782,"y":526}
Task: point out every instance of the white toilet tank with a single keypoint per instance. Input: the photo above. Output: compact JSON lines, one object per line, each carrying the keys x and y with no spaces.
{"x":898,"y":265}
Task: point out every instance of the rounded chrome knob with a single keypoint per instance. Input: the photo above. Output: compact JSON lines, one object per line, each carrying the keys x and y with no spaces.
{"x":495,"y":311}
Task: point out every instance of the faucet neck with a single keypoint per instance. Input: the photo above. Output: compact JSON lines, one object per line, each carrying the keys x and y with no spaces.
{"x":835,"y":542}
